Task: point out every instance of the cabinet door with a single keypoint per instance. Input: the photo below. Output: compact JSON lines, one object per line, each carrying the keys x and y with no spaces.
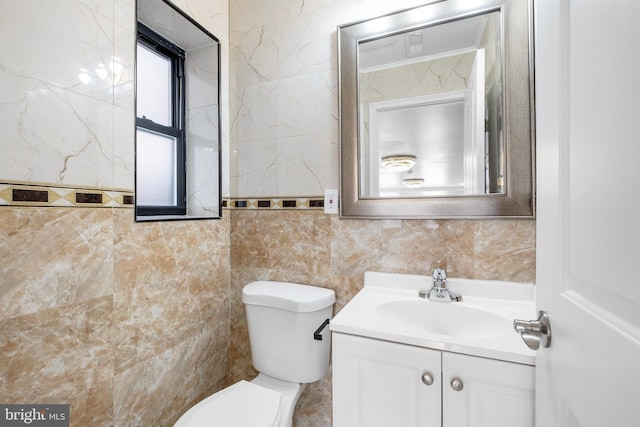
{"x":494,"y":393}
{"x":379,"y":384}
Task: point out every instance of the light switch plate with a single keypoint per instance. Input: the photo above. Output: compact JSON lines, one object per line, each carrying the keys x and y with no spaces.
{"x":331,"y":201}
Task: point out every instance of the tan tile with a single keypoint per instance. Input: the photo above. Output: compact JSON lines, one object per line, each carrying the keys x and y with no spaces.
{"x":53,"y":257}
{"x":159,"y":390}
{"x":505,"y":250}
{"x":148,"y":321}
{"x":282,"y":240}
{"x":165,"y":253}
{"x":61,"y":355}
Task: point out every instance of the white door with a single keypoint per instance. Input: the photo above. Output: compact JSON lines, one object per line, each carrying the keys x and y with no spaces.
{"x":474,"y":155}
{"x":588,"y":237}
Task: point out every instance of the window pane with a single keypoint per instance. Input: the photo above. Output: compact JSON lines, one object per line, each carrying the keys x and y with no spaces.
{"x":153,"y":89}
{"x":155,"y":169}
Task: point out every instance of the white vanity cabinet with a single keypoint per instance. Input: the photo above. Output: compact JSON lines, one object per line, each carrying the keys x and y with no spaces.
{"x":378,"y":383}
{"x":494,"y":393}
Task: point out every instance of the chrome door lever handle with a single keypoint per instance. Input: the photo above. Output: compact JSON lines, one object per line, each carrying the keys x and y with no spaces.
{"x":534,"y":332}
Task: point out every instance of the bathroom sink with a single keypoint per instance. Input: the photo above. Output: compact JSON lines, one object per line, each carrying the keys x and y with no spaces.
{"x":389,"y":308}
{"x":445,"y":318}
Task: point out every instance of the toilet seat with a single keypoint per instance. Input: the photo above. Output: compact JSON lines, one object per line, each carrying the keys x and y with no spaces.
{"x":243,"y":404}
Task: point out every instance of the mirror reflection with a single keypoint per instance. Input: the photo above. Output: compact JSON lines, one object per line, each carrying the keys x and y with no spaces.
{"x":436,"y":108}
{"x":430,"y":108}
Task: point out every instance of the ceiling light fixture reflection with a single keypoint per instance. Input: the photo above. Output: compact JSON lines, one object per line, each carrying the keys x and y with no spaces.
{"x":399,"y":162}
{"x":101,"y":72}
{"x":115,"y":73}
{"x":84,"y":76}
{"x":413,"y":182}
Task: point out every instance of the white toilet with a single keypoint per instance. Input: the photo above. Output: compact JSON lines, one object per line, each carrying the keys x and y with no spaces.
{"x":290,"y":344}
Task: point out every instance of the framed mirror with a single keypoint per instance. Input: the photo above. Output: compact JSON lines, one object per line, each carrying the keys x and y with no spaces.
{"x":436,"y":112}
{"x":177,"y":116}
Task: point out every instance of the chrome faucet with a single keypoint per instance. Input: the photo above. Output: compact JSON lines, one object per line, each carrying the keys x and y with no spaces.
{"x":439,"y":290}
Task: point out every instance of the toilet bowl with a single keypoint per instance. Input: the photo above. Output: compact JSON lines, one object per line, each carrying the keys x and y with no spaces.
{"x":289,"y":347}
{"x":240,"y":405}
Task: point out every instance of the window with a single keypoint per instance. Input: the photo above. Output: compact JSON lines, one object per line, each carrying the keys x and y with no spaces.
{"x":160,"y":126}
{"x":178,"y":118}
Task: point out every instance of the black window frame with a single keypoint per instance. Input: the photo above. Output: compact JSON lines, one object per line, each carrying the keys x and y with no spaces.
{"x":176,"y":55}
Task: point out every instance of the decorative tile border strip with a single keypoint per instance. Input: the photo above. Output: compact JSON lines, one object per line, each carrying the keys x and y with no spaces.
{"x":56,"y":195}
{"x":274,"y":203}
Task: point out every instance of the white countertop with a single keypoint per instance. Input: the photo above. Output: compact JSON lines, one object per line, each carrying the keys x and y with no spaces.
{"x":368,"y":315}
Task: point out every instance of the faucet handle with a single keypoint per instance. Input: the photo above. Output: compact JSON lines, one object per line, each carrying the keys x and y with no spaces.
{"x":439,"y":274}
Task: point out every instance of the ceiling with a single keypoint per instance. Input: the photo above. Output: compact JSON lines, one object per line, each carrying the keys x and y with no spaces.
{"x":417,"y":45}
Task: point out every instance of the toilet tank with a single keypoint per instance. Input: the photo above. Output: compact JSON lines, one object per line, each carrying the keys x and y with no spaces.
{"x":282,"y":319}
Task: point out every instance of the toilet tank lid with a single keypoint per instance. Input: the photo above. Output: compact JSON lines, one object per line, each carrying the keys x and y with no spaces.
{"x":288,"y":296}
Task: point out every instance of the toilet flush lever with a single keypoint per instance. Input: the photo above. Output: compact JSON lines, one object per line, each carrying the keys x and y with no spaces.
{"x":317,"y":335}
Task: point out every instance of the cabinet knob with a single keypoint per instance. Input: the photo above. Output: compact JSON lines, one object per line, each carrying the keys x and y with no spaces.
{"x":456,"y":384}
{"x":427,"y":378}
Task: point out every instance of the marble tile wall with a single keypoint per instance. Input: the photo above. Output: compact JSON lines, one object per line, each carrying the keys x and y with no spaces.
{"x":284,"y":92}
{"x":284,"y":145}
{"x":214,"y":16}
{"x":313,"y":248}
{"x":203,"y":157}
{"x":127,"y":322}
{"x":422,"y":78}
{"x":133,"y":323}
{"x":66,"y":81}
